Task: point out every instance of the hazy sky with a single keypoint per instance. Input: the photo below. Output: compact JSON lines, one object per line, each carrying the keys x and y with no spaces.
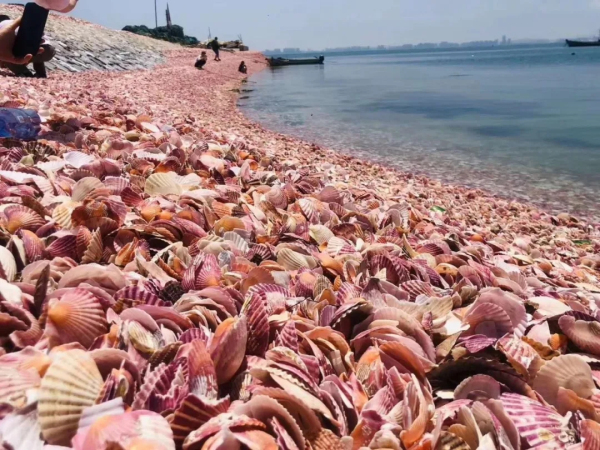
{"x":331,"y":23}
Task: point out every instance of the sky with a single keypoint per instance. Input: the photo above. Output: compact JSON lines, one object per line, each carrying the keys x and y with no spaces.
{"x":316,"y":24}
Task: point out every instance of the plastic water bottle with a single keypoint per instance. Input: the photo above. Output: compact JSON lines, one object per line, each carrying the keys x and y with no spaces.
{"x":21,"y":124}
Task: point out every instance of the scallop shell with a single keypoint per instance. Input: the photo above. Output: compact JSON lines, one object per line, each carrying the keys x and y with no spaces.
{"x":522,"y":356}
{"x":590,"y":434}
{"x":8,"y":265}
{"x":33,"y":245}
{"x":132,"y":430}
{"x":330,"y":194}
{"x":511,"y":304}
{"x":78,"y":159}
{"x":292,"y":260}
{"x":449,"y":441}
{"x":566,"y":371}
{"x":277,"y":197}
{"x":77,"y":317}
{"x":585,"y":335}
{"x":63,"y":247}
{"x":478,"y":387}
{"x":258,"y":326}
{"x":237,"y":241}
{"x":71,"y":384}
{"x":143,"y":340}
{"x":95,"y":249}
{"x":489,"y":320}
{"x":21,"y":431}
{"x":17,"y":217}
{"x":62,"y":214}
{"x":18,"y":388}
{"x":85,"y":186}
{"x":539,"y":425}
{"x":228,"y":223}
{"x":321,"y":234}
{"x":228,"y":347}
{"x":163,"y":184}
{"x":193,"y":413}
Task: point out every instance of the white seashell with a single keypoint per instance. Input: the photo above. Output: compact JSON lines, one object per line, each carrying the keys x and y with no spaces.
{"x":8,"y":263}
{"x":163,"y":184}
{"x":21,"y":431}
{"x":51,"y":166}
{"x":10,"y":292}
{"x":78,"y":159}
{"x":152,"y":156}
{"x":93,"y":413}
{"x":237,"y":241}
{"x":19,"y":177}
{"x":71,"y":384}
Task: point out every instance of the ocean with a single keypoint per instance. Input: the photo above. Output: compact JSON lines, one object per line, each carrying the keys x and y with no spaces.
{"x":523,"y":123}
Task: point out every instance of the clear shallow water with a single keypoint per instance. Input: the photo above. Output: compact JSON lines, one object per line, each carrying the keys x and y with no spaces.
{"x":524,"y":123}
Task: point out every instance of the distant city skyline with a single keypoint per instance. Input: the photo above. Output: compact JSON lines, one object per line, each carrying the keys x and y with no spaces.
{"x":337,"y":23}
{"x":504,"y":41}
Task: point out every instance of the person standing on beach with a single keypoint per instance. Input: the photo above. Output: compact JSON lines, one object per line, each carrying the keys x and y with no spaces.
{"x":215,"y":46}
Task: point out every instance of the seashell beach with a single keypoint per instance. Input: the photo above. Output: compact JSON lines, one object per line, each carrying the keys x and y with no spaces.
{"x":174,"y":276}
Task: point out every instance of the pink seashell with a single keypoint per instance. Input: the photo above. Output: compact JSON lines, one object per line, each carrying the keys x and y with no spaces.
{"x":228,"y":347}
{"x":76,"y":317}
{"x":63,"y":247}
{"x":584,"y":334}
{"x":255,"y":311}
{"x":537,"y":424}
{"x":489,"y":320}
{"x":126,"y":429}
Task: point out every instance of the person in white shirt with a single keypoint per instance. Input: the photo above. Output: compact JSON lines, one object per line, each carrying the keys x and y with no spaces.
{"x":8,"y":30}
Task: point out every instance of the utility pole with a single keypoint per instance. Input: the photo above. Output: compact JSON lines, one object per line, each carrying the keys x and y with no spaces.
{"x":156,"y":13}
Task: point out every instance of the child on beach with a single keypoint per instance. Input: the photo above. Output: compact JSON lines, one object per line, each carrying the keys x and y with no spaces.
{"x":201,"y":61}
{"x":243,"y":69}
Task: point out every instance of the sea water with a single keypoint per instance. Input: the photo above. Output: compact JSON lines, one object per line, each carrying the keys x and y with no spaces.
{"x":523,"y":123}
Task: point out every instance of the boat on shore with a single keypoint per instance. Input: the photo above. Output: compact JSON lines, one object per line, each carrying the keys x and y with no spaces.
{"x":571,"y":43}
{"x":279,"y":62}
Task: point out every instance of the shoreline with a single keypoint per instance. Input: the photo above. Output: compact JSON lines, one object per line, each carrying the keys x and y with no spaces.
{"x":348,"y":158}
{"x":491,"y":180}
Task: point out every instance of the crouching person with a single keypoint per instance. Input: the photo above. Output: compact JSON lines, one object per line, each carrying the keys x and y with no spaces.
{"x":47,"y":52}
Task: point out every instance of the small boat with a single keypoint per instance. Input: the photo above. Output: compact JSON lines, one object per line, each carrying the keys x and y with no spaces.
{"x":583,"y":43}
{"x":278,"y":62}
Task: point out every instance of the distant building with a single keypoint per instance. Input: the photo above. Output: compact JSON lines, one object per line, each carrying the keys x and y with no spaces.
{"x":291,"y":50}
{"x":449,"y":45}
{"x":504,"y":42}
{"x":169,"y":22}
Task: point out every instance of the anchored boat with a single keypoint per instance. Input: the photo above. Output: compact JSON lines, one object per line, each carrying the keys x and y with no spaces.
{"x":278,"y":62}
{"x":583,"y":43}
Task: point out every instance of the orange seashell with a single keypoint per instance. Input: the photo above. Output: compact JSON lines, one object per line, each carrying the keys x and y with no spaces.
{"x":228,"y":347}
{"x":165,"y":215}
{"x":76,"y":317}
{"x":150,"y":212}
{"x":228,"y":223}
{"x":558,"y":342}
